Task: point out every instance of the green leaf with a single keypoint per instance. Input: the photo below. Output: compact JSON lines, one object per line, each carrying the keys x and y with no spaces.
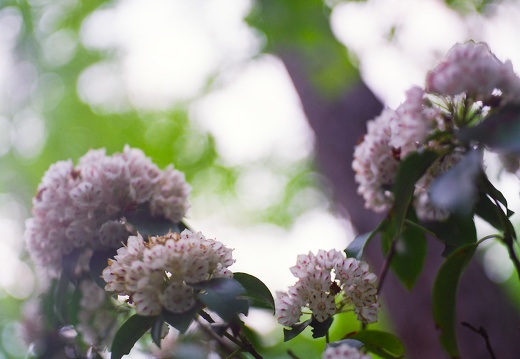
{"x":181,"y":321}
{"x":68,"y":264}
{"x":142,"y":221}
{"x":444,"y":295}
{"x":98,"y":262}
{"x":500,"y":131}
{"x":320,"y":329}
{"x":409,"y":255}
{"x":296,"y":329}
{"x":61,"y":299}
{"x":454,"y":232}
{"x":256,"y":291}
{"x":487,"y":210}
{"x":157,"y":330}
{"x":411,"y":169}
{"x":384,"y":344}
{"x":357,"y":246}
{"x":129,"y":333}
{"x":220,"y":295}
{"x":456,"y":189}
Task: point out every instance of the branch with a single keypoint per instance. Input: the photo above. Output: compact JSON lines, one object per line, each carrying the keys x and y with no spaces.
{"x":483,"y":333}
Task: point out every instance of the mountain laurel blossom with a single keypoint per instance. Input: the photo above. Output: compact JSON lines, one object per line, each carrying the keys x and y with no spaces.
{"x":343,"y":351}
{"x":328,"y":283}
{"x":157,"y":273}
{"x":466,"y":85}
{"x":80,"y":207}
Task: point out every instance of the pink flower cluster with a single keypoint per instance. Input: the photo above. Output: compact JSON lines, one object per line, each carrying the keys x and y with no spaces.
{"x":472,"y":69}
{"x":80,"y":206}
{"x":343,"y":351}
{"x":328,"y":283}
{"x":157,"y":274}
{"x":466,"y":82}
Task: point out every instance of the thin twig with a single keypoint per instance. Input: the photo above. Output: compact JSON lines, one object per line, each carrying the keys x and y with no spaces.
{"x":386,"y":265}
{"x":221,"y":342}
{"x":292,"y":355}
{"x":483,"y":333}
{"x":242,"y":341}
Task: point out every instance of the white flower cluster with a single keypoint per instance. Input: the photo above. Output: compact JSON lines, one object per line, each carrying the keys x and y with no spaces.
{"x":343,"y":351}
{"x":328,"y":283}
{"x":157,"y":273}
{"x":80,"y":207}
{"x":470,"y":76}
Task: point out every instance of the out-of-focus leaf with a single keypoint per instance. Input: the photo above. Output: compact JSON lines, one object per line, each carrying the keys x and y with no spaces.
{"x":444,"y":295}
{"x":296,"y":329}
{"x":157,"y":330}
{"x":68,"y":263}
{"x":500,"y":130}
{"x":129,"y":333}
{"x":320,"y":329}
{"x":456,"y":189}
{"x":61,"y":298}
{"x":220,"y":295}
{"x":409,"y":172}
{"x":256,"y":291}
{"x":409,"y":255}
{"x":454,"y":232}
{"x":302,"y":29}
{"x":142,"y":221}
{"x":384,"y":344}
{"x":357,"y":246}
{"x":98,"y":262}
{"x":181,"y":321}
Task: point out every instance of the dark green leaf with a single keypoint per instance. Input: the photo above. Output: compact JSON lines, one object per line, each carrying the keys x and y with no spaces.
{"x":487,"y":210}
{"x":68,"y":263}
{"x":384,"y":344}
{"x":500,"y":130}
{"x":444,"y":295}
{"x":320,"y":329}
{"x":296,"y":329}
{"x":157,"y":330}
{"x":454,"y":232}
{"x":256,"y":291}
{"x":357,"y":246}
{"x":456,"y":189}
{"x":220,"y":295}
{"x":181,"y":321}
{"x":129,"y":333}
{"x":61,"y":299}
{"x":142,"y":221}
{"x":98,"y":262}
{"x":411,"y":169}
{"x":495,"y":193}
{"x":409,"y":255}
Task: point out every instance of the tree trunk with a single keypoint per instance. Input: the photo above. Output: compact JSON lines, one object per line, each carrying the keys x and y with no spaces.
{"x":338,"y":125}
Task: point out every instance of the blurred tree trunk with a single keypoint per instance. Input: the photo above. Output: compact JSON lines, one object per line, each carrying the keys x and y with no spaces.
{"x":338,"y":124}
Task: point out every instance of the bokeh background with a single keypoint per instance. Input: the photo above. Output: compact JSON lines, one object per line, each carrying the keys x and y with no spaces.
{"x":231,"y":92}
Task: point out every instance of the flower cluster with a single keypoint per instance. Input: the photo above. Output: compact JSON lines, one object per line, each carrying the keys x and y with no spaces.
{"x":463,"y":89}
{"x":157,"y":273}
{"x":81,"y":206}
{"x":343,"y":351}
{"x":328,"y":283}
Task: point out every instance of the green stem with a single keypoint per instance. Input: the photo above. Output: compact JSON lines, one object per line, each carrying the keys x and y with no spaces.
{"x":386,"y":264}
